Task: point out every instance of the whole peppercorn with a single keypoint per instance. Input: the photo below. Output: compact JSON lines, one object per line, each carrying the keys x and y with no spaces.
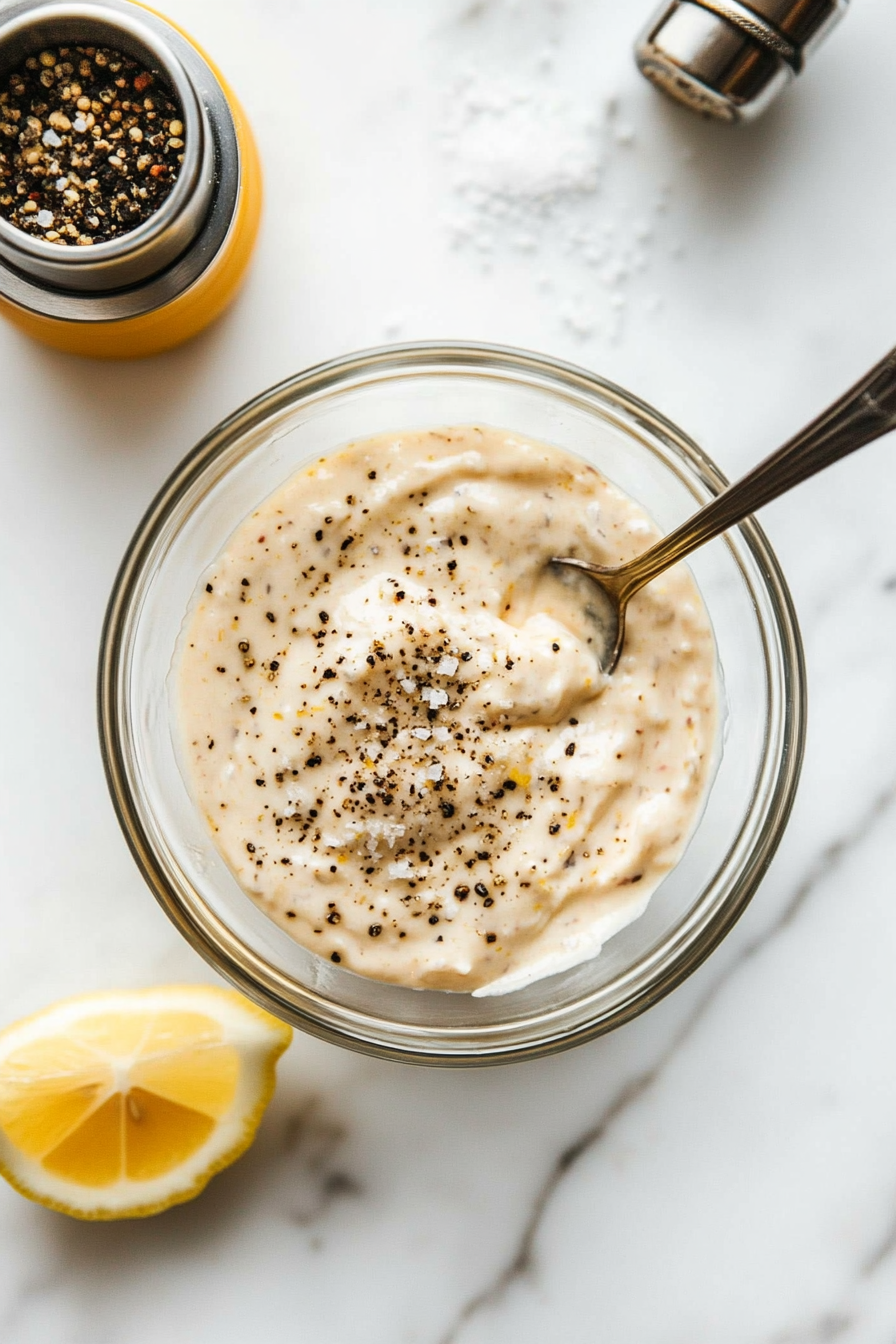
{"x":91,"y":143}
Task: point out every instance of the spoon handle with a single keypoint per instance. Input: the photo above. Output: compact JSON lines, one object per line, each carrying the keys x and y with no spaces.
{"x":865,"y":412}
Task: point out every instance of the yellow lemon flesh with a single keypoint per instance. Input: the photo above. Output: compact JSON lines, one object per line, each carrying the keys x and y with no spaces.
{"x":119,"y":1105}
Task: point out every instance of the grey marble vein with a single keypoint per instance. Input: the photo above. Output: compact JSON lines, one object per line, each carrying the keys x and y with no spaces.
{"x":311,"y":1140}
{"x":522,"y":1261}
{"x":840,"y":1320}
{"x":881,"y":1252}
{"x":832,"y":1325}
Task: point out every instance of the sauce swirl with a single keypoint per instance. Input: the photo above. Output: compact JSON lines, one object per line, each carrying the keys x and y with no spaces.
{"x":393,"y":719}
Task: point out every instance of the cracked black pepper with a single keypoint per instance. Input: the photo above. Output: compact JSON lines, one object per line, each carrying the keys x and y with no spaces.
{"x":408,"y":755}
{"x":91,"y":143}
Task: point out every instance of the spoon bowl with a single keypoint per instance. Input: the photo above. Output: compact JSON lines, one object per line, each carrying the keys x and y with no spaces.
{"x":603,"y":608}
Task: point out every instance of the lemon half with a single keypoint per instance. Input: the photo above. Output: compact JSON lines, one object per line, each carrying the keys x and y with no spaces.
{"x":119,"y":1105}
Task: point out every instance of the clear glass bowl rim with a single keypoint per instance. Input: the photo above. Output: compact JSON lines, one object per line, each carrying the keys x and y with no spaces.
{"x":233,"y":959}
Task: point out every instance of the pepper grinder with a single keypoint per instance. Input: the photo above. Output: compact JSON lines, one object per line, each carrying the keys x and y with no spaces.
{"x":728,"y":59}
{"x":149,"y":289}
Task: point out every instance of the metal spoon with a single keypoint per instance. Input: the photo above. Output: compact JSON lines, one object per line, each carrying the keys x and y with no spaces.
{"x":862,"y":414}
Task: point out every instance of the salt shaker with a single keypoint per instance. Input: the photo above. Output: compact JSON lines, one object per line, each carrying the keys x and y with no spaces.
{"x":729,"y":59}
{"x":158,"y":277}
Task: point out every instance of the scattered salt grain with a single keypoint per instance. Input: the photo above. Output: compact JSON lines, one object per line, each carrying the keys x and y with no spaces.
{"x":539,"y":172}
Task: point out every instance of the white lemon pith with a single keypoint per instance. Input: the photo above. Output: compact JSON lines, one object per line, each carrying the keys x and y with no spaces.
{"x":119,"y":1105}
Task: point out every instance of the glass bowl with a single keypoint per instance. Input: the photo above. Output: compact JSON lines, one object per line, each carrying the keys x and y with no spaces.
{"x":760,"y":658}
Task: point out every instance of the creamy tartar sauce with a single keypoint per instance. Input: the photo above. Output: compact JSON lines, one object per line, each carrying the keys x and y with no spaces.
{"x":393,"y":720}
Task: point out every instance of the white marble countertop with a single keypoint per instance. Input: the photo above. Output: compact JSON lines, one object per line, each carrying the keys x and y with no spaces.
{"x":724,"y":1168}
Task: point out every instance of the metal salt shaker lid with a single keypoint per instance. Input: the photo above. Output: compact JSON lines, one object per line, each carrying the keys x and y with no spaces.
{"x":729,"y":59}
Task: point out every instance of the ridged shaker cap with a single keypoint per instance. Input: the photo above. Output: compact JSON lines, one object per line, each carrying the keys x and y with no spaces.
{"x":729,"y":59}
